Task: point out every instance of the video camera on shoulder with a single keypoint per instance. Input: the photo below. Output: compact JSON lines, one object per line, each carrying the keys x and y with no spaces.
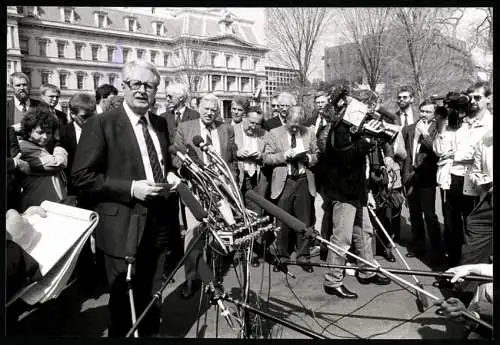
{"x":455,"y":106}
{"x":363,"y":120}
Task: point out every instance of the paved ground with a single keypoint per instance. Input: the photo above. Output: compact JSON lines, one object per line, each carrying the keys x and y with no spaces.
{"x":388,"y":312}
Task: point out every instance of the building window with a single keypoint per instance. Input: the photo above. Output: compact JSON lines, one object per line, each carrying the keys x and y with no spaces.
{"x":33,"y":11}
{"x":228,"y":61}
{"x":20,"y":9}
{"x":255,"y":62}
{"x":23,"y":45}
{"x":44,"y":77}
{"x":101,"y":20}
{"x":230,"y":82}
{"x":242,"y":62}
{"x":111,"y":51}
{"x":196,"y":58}
{"x":63,"y":78}
{"x":60,"y":50}
{"x":215,"y":80}
{"x":158,"y":28}
{"x":78,"y":51}
{"x":131,"y":24}
{"x":167,"y":82}
{"x":68,"y":15}
{"x":111,"y":79}
{"x":95,"y":52}
{"x":125,"y":52}
{"x":196,"y":84}
{"x":140,"y":54}
{"x":213,"y":56}
{"x":153,"y":57}
{"x":167,"y":57}
{"x":79,"y":81}
{"x":43,"y":48}
{"x":96,"y":78}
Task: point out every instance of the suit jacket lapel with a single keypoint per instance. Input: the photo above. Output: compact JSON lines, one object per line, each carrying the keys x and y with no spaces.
{"x":125,"y":130}
{"x":222,"y":133}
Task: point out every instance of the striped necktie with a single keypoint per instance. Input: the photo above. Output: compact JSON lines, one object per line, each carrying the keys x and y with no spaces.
{"x":153,"y":155}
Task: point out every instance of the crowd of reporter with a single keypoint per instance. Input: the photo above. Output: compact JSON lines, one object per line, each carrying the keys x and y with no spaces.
{"x":292,"y":158}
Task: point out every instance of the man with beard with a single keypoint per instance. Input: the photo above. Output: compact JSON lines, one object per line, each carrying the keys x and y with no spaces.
{"x":291,"y":150}
{"x":50,"y":94}
{"x":239,"y":106}
{"x":405,"y":114}
{"x":17,"y":107}
{"x":462,"y":195}
{"x":122,"y":163}
{"x":177,"y":111}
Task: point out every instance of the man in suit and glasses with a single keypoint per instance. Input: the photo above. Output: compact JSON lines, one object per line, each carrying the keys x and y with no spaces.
{"x":122,"y":162}
{"x":292,"y":151}
{"x":405,"y":114}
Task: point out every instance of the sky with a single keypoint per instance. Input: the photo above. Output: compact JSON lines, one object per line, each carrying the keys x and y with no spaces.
{"x":329,"y":38}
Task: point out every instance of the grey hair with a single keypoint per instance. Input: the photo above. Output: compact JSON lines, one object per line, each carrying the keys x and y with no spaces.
{"x":297,"y":111}
{"x":210,"y":98}
{"x":179,"y":87}
{"x":129,"y":66}
{"x":19,"y":75}
{"x":288,"y":96}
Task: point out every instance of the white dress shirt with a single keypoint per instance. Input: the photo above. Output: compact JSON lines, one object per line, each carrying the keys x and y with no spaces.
{"x":98,"y":109}
{"x":78,"y":131}
{"x":320,"y":122}
{"x":215,"y":139}
{"x":299,"y":148}
{"x":19,"y":106}
{"x":252,"y":145}
{"x":134,"y":120}
{"x":410,"y":117}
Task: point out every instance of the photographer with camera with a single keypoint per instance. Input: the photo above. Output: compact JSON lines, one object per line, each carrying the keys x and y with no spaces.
{"x":468,"y":121}
{"x":346,"y":186}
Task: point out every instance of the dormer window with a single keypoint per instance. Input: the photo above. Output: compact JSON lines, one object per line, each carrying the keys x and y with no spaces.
{"x":158,"y":28}
{"x":226,"y":24}
{"x":131,"y":24}
{"x":33,"y":11}
{"x":67,"y":14}
{"x":101,"y":19}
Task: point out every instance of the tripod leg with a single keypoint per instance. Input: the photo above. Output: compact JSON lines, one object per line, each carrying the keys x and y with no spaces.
{"x":130,"y":262}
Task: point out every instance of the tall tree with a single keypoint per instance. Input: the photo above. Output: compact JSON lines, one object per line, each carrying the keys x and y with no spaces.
{"x":293,"y":34}
{"x":367,"y":29}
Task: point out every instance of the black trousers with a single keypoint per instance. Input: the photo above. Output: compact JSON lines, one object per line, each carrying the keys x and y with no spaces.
{"x":146,"y":280}
{"x":296,"y":200}
{"x":422,"y":200}
{"x":456,"y":209}
{"x":250,"y":183}
{"x":391,"y":220}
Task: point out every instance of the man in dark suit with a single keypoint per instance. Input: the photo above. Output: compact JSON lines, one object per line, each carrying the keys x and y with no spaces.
{"x":292,"y":151}
{"x":419,"y":179}
{"x":50,"y":94}
{"x":177,"y":111}
{"x":285,"y":101}
{"x":221,"y":137}
{"x":405,"y":115}
{"x":20,"y":104}
{"x":122,"y":163}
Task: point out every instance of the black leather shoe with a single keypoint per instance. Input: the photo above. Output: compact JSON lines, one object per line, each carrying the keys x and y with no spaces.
{"x":340,"y":291}
{"x":307,"y":268}
{"x":376,"y":279}
{"x":389,"y":256}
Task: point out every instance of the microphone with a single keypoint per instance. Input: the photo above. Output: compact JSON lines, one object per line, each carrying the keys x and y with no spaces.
{"x":208,"y":149}
{"x":191,"y":202}
{"x":206,"y":276}
{"x":185,"y":159}
{"x":277,"y":212}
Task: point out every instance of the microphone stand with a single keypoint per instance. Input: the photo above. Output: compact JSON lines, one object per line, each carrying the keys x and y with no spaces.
{"x":443,"y":275}
{"x":158,"y":294}
{"x":283,"y":322}
{"x":313,"y":234}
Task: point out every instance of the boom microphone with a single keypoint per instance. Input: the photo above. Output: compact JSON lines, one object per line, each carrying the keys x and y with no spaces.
{"x":190,"y":201}
{"x":277,"y":212}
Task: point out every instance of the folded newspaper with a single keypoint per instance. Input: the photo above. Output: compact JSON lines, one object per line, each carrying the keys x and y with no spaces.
{"x":60,"y":237}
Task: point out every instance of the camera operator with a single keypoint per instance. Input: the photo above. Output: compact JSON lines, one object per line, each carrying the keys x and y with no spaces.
{"x":473,"y":121}
{"x":346,"y":186}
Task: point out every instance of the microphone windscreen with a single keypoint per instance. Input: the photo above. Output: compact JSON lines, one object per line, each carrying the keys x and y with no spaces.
{"x":197,"y":140}
{"x":277,"y":212}
{"x":190,"y":201}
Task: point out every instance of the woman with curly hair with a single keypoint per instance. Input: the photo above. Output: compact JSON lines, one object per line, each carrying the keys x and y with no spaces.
{"x":46,"y":180}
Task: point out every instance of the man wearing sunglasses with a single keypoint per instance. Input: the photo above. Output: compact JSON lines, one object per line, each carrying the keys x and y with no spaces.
{"x":405,"y":114}
{"x":122,"y":164}
{"x":285,"y":100}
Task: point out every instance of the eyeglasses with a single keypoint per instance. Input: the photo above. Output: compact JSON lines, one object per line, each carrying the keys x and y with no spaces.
{"x":403,"y":97}
{"x":275,"y":105}
{"x":136,"y":85}
{"x":477,"y":98}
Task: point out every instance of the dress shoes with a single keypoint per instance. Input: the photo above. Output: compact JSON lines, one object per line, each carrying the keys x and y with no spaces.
{"x":414,"y":254}
{"x":389,"y":256}
{"x":307,"y":268}
{"x":340,"y":291}
{"x":376,"y":279}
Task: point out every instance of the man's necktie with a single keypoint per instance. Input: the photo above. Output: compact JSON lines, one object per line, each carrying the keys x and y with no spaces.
{"x":23,"y":105}
{"x":406,"y":119}
{"x":208,"y":138}
{"x":177,"y":118}
{"x":294,"y":164}
{"x":153,"y":156}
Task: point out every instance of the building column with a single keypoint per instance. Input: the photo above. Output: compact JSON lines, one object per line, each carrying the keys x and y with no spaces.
{"x":15,"y":41}
{"x":209,"y":88}
{"x":9,"y":37}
